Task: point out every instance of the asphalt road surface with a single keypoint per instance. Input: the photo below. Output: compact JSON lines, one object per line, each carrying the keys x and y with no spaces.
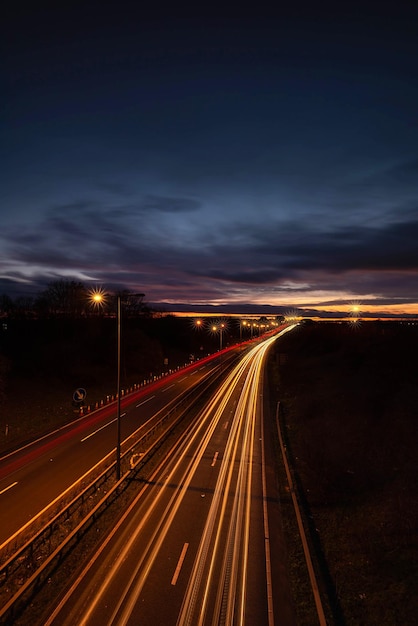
{"x":35,"y":475}
{"x":201,"y":542}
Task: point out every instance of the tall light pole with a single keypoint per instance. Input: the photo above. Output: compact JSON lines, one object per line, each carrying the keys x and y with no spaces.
{"x":220,"y":328}
{"x":118,"y":393}
{"x":98,"y":298}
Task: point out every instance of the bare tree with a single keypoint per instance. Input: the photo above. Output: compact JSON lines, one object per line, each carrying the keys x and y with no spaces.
{"x":63,"y":298}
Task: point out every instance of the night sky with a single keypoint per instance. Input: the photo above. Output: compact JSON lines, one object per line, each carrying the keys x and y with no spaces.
{"x":251,"y":159}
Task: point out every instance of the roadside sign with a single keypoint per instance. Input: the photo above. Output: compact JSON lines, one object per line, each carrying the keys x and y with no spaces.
{"x":79,"y":394}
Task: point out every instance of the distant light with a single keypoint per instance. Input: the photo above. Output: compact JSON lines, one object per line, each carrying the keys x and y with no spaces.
{"x":355,"y":309}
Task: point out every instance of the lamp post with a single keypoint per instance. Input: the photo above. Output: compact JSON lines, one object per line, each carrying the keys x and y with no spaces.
{"x":98,"y":298}
{"x":220,"y":328}
{"x":118,"y":392}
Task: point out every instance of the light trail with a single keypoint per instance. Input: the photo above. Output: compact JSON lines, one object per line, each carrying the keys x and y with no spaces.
{"x":231,"y":582}
{"x":216,"y":591}
{"x":202,"y":433}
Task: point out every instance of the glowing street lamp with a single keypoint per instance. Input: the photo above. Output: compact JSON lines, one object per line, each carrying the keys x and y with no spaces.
{"x":221,"y":329}
{"x":98,"y":297}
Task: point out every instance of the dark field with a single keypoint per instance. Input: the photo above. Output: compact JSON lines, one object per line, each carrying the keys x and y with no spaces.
{"x":42,"y":363}
{"x":348,"y":398}
{"x":349,"y":411}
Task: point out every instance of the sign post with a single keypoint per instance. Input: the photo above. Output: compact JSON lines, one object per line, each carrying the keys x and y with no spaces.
{"x":79,"y":395}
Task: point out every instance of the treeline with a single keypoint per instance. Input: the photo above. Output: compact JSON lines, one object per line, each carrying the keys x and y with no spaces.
{"x":70,"y":299}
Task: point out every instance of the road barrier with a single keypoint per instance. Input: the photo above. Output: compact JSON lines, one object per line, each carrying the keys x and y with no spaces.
{"x":309,"y":564}
{"x":27,"y":569}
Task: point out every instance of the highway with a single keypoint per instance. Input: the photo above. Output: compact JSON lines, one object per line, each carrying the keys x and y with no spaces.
{"x":35,"y":475}
{"x":195,"y":546}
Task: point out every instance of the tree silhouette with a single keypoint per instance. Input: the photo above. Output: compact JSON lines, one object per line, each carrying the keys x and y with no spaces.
{"x":63,"y":298}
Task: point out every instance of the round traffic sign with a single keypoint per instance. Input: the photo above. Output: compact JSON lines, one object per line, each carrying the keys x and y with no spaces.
{"x":79,"y":394}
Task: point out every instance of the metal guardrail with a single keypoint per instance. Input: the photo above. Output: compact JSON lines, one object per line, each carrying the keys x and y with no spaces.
{"x":306,"y":551}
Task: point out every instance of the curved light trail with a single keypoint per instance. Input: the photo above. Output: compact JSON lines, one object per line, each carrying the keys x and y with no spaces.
{"x":215,"y":592}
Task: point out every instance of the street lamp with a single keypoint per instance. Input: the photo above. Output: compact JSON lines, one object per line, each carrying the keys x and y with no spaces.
{"x":220,"y":328}
{"x":99,"y":297}
{"x":118,"y":394}
{"x":244,"y":324}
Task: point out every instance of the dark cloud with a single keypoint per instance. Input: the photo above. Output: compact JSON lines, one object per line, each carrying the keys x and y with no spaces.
{"x":234,"y":159}
{"x":92,"y":241}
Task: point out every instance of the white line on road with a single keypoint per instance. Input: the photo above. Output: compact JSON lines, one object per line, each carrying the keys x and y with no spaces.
{"x":167,"y":388}
{"x":214,"y":459}
{"x":7,"y":488}
{"x":147,"y":400}
{"x":179,"y":564}
{"x":101,"y":428}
